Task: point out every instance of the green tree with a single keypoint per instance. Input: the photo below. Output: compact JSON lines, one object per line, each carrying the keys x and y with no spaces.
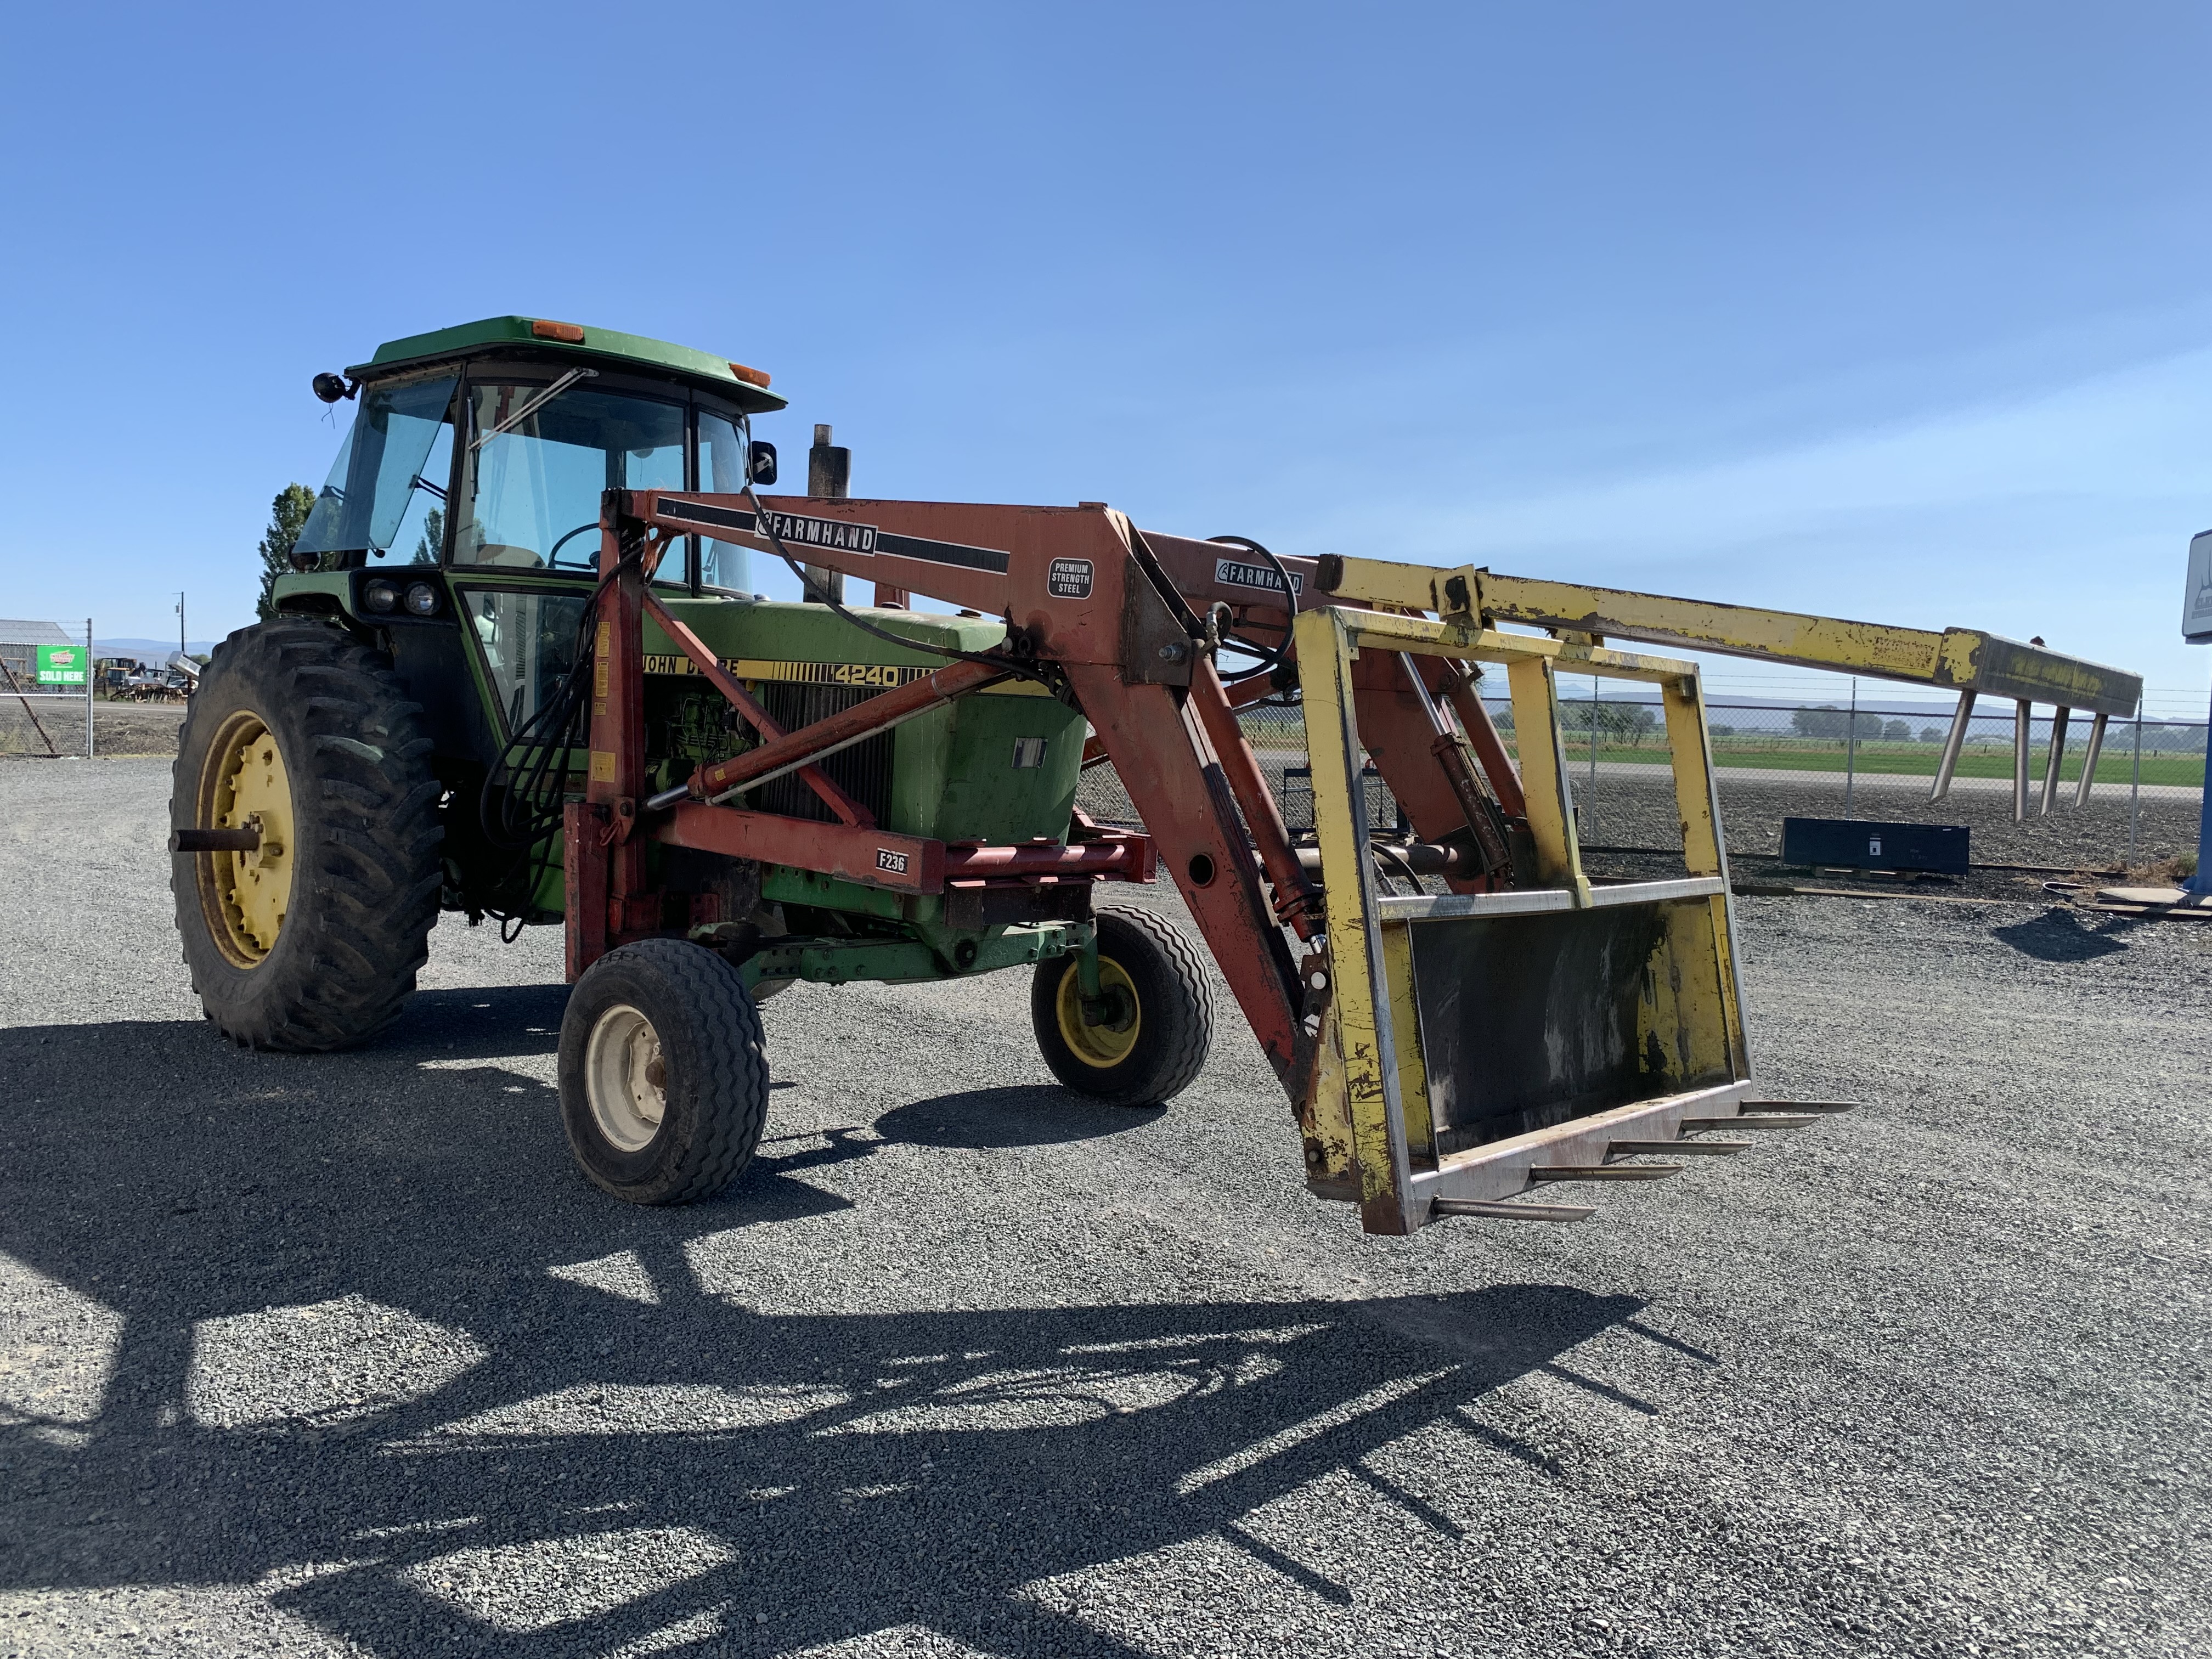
{"x":288,"y":517}
{"x":433,"y":538}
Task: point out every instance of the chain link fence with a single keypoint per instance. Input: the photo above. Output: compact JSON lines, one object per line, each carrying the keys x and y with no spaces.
{"x":35,"y":726}
{"x":1776,"y":760}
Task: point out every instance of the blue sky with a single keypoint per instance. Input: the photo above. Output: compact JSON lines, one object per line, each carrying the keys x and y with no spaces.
{"x":1898,"y":312}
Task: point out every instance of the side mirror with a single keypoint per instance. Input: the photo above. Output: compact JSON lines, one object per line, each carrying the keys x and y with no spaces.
{"x":331,"y":388}
{"x":760,"y":464}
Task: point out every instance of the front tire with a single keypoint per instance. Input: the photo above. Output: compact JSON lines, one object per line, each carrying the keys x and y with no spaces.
{"x":663,"y":1073}
{"x":313,"y":940}
{"x":1151,"y":1042}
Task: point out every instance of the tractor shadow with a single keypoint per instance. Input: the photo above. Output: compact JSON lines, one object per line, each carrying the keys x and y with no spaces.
{"x":2057,"y":935}
{"x":1022,"y":1115}
{"x":574,"y":1381}
{"x":501,"y":1020}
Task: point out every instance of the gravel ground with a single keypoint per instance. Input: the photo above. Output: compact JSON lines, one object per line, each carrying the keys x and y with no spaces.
{"x":338,"y":1356}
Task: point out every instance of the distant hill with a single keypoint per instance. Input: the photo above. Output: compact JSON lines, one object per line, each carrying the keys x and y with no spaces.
{"x":151,"y":650}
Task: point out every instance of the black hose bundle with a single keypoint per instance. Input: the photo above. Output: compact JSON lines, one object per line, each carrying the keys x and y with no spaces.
{"x":524,"y":799}
{"x":1270,"y":657}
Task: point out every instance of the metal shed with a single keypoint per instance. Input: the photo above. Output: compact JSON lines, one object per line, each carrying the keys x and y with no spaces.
{"x":19,"y":641}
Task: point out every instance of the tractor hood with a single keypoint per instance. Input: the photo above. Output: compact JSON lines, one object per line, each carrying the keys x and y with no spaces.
{"x":770,"y":640}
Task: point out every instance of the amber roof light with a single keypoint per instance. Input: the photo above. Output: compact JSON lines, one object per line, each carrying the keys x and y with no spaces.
{"x":752,"y":376}
{"x":567,"y":333}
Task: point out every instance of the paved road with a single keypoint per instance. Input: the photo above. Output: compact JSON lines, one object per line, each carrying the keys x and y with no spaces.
{"x":316,"y":1356}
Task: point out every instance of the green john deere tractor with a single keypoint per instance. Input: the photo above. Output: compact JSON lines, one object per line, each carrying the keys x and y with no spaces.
{"x":404,"y":737}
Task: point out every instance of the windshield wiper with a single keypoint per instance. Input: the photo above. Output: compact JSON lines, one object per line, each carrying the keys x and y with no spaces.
{"x":536,"y":403}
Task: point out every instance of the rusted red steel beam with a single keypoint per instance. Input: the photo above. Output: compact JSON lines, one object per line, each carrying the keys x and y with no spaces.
{"x":874,"y":857}
{"x":1241,"y":694}
{"x":1221,"y":572}
{"x":1396,"y":737}
{"x":830,"y":793}
{"x":1489,"y":748}
{"x":1179,"y":790}
{"x":1122,"y":857}
{"x":1068,"y":579}
{"x":1297,"y":900}
{"x":841,"y":730}
{"x":1215,"y":573}
{"x":606,"y":890}
{"x":584,"y":873}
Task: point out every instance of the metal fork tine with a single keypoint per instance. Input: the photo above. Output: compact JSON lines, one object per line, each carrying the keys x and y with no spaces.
{"x":1603,"y":1171}
{"x":1801,"y":1105}
{"x":1691,"y":1126}
{"x":1484,"y":1208}
{"x":1678,"y":1148}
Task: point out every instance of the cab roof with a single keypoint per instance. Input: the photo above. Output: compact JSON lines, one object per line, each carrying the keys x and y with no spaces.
{"x":540,"y":337}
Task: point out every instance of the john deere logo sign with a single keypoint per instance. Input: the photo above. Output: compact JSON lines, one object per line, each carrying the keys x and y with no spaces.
{"x":62,"y":664}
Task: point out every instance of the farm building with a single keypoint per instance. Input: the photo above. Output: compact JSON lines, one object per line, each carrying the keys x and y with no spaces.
{"x":19,"y":643}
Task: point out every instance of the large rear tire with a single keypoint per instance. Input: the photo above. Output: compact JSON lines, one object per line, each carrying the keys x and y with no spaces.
{"x":312,"y":941}
{"x":1151,"y":1044}
{"x":663,"y":1073}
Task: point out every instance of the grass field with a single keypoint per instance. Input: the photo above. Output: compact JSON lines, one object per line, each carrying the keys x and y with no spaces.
{"x":1774,"y":752}
{"x":1765,"y":752}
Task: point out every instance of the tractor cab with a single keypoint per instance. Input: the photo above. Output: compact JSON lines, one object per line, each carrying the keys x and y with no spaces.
{"x":487,"y":446}
{"x":458,"y":536}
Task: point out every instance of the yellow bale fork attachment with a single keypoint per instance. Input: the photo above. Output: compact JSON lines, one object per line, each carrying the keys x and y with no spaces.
{"x":1477,"y":1046}
{"x":1969,"y":661}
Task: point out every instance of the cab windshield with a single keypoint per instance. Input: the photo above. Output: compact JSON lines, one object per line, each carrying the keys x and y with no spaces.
{"x":530,"y":495}
{"x":537,"y":454}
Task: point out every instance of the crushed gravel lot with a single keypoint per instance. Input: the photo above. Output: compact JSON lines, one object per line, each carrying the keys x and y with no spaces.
{"x":338,"y":1355}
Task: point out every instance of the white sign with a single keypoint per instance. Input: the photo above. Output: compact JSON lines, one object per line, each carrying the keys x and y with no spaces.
{"x":1230,"y":573}
{"x":2196,"y":604}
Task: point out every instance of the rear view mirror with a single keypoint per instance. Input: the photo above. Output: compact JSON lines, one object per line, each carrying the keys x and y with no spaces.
{"x":760,"y":464}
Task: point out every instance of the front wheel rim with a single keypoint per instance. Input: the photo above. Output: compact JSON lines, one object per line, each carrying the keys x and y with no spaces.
{"x":625,"y":1077}
{"x":1099,"y":1047}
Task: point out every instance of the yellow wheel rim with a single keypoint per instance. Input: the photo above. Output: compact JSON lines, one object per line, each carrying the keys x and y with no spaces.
{"x":1100,"y":1045}
{"x":244,"y":784}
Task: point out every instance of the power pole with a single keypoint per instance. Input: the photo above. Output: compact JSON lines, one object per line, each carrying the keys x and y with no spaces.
{"x":181,"y":624}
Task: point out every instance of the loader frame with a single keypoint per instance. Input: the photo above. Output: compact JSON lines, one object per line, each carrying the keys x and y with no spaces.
{"x":1399,"y":1086}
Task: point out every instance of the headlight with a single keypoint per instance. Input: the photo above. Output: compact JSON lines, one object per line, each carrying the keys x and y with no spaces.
{"x":422,"y":599}
{"x":380,"y":597}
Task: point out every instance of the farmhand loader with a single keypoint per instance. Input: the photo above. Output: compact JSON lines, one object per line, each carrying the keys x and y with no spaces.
{"x":569,"y":708}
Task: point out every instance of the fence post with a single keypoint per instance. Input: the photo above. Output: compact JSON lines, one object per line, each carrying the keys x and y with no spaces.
{"x":2135,"y":789}
{"x":1851,"y":747}
{"x":1590,"y":829}
{"x":2201,"y":883}
{"x":91,"y":677}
